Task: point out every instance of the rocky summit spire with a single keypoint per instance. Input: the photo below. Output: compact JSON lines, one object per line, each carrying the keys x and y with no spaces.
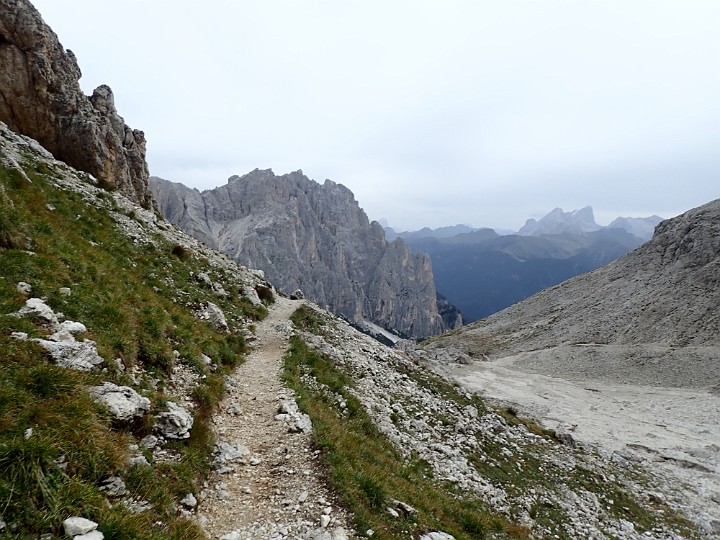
{"x":40,"y":97}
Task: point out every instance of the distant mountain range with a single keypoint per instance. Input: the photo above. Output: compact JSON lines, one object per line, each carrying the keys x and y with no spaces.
{"x":482,"y":272}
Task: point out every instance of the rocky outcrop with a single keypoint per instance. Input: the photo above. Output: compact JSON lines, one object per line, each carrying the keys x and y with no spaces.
{"x":314,"y":238}
{"x":40,"y":97}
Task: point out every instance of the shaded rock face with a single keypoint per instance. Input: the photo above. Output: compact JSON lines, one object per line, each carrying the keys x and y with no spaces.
{"x":40,"y":97}
{"x":314,"y":238}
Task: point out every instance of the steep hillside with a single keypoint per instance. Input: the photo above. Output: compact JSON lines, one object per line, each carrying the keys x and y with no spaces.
{"x":312,"y":237}
{"x":116,"y":334}
{"x":481,"y":272}
{"x":40,"y":97}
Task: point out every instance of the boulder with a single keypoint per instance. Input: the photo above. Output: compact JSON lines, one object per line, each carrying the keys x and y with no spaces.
{"x":124,"y":403}
{"x":297,"y":294}
{"x":251,"y":294}
{"x":78,"y":525}
{"x":175,"y":423}
{"x":212,"y":313}
{"x":81,"y":356}
{"x":36,"y":308}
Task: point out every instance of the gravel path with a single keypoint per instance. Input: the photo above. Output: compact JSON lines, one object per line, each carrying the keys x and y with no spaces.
{"x":266,"y":483}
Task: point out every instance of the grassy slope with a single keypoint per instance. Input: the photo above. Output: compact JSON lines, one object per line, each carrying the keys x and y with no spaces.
{"x":136,"y":300}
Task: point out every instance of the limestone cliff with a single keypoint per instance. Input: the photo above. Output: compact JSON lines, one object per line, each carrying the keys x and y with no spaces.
{"x":313,"y":237}
{"x":40,"y":97}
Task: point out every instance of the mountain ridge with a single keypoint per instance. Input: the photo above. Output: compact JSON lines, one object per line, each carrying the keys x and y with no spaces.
{"x":313,"y":237}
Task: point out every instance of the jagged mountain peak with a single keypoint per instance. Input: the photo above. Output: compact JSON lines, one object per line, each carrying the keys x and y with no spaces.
{"x":558,"y":222}
{"x":314,"y":237}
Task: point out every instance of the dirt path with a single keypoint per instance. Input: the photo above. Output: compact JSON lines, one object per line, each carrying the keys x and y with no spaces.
{"x":265,"y":484}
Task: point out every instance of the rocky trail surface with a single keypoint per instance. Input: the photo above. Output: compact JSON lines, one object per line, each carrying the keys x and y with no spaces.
{"x":266,"y":483}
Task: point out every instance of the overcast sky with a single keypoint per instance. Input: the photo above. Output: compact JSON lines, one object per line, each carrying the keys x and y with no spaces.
{"x":432,"y":112}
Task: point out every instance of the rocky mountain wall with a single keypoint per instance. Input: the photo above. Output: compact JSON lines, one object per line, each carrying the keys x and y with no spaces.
{"x":40,"y":97}
{"x":312,"y":237}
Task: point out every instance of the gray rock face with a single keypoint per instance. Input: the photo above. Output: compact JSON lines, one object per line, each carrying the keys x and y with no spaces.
{"x":315,"y":238}
{"x":40,"y":97}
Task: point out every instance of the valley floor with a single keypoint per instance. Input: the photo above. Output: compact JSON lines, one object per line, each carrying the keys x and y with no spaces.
{"x":673,"y":431}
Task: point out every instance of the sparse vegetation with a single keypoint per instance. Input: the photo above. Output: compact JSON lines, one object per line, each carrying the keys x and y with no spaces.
{"x":368,"y":471}
{"x":534,"y":471}
{"x":306,"y":318}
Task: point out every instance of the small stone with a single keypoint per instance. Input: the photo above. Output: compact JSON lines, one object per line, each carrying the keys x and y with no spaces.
{"x":189,"y":500}
{"x":437,"y":536}
{"x":394,"y":513}
{"x":324,"y":520}
{"x":327,"y":510}
{"x":148,"y":442}
{"x":176,"y":423}
{"x":22,"y":336}
{"x":24,"y":288}
{"x":78,"y":525}
{"x":28,"y":433}
{"x":38,"y":309}
{"x":138,"y":459}
{"x":303,"y":496}
{"x":123,"y":403}
{"x":65,"y":291}
{"x":339,"y":533}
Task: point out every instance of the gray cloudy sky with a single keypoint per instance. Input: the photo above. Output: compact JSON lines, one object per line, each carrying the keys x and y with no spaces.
{"x":431,"y":112}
